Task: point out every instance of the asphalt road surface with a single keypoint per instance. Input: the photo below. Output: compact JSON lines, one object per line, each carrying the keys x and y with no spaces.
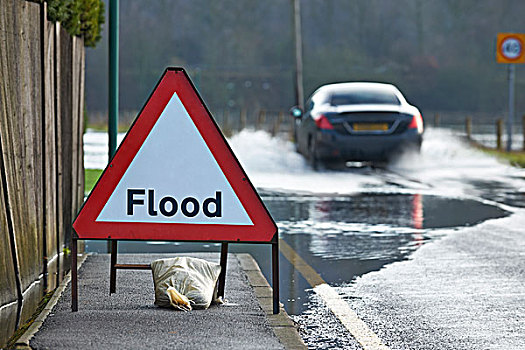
{"x":465,"y":291}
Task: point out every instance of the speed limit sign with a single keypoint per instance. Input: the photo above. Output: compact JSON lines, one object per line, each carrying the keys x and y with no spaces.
{"x":510,"y":48}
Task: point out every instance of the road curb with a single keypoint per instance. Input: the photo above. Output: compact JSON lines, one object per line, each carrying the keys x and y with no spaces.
{"x":281,"y":324}
{"x":23,"y":341}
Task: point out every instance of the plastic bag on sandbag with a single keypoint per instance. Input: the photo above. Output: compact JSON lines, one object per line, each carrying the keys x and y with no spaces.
{"x":185,"y":283}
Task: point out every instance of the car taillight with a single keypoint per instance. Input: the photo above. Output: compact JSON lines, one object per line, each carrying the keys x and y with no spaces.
{"x":417,"y":123}
{"x":322,"y":122}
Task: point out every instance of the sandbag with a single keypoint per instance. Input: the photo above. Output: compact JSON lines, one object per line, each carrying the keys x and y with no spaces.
{"x":185,"y":283}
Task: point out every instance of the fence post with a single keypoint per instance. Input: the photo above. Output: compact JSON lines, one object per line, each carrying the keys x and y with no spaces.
{"x":499,"y":132}
{"x":277,"y":124}
{"x":242,"y":121}
{"x":468,"y":127}
{"x":261,"y":119}
{"x":436,"y":120}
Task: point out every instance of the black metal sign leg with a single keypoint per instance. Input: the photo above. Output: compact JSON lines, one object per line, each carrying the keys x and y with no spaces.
{"x":222,"y":276}
{"x":275,"y":275}
{"x":113,"y":269}
{"x":74,"y":277}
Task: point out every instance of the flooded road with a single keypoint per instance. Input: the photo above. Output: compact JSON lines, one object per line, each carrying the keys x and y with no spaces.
{"x":345,"y":224}
{"x":341,"y":237}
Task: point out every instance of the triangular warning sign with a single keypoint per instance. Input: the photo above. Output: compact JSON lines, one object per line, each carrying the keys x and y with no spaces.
{"x":174,"y":177}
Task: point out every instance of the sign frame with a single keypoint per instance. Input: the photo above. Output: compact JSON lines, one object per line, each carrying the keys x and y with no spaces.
{"x":85,"y":226}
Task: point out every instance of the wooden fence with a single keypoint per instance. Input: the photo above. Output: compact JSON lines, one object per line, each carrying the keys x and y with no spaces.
{"x":496,"y":126}
{"x":41,"y":167}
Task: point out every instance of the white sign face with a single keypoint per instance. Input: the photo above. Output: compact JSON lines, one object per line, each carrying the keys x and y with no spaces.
{"x":511,"y":48}
{"x":174,"y":178}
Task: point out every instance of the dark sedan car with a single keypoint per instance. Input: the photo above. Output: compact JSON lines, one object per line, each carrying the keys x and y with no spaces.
{"x":356,"y":122}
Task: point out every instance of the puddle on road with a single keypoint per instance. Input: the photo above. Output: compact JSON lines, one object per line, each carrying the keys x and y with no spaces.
{"x":344,"y":237}
{"x":501,"y":191}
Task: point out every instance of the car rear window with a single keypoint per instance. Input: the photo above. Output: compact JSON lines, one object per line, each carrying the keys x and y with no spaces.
{"x":364,"y":96}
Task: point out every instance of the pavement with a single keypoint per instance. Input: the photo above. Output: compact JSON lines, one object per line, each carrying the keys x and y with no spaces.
{"x":128,"y":319}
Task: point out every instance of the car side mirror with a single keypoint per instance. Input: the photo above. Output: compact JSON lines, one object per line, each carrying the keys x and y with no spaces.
{"x":296,"y":112}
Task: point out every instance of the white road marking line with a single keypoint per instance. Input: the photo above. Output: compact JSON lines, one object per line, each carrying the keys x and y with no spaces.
{"x":340,"y":308}
{"x":359,"y":330}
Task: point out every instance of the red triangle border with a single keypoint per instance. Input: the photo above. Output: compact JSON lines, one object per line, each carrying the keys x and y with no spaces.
{"x":175,"y":80}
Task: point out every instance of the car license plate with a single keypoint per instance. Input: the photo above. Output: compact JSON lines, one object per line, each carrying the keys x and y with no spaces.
{"x":370,"y":126}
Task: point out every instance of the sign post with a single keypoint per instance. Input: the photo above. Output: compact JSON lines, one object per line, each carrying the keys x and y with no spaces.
{"x":510,"y":118}
{"x":510,"y":50}
{"x":175,"y":178}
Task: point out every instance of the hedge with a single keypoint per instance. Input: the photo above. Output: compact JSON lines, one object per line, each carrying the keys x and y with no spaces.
{"x":79,"y":17}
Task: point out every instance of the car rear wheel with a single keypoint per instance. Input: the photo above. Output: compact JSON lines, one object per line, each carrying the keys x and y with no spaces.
{"x":296,"y":146}
{"x":335,"y":165}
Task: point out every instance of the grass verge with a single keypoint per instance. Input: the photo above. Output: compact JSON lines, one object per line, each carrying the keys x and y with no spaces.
{"x":515,"y":158}
{"x":91,"y":177}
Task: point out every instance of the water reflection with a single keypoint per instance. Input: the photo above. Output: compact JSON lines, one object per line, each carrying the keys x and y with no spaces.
{"x":417,"y":219}
{"x":416,"y":211}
